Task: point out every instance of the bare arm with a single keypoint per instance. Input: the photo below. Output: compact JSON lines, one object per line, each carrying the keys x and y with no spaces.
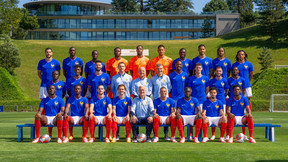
{"x":207,"y":90}
{"x":86,"y":75}
{"x":230,"y":115}
{"x":90,"y":88}
{"x":211,"y":71}
{"x":40,"y":74}
{"x":250,"y":76}
{"x":64,"y":72}
{"x":40,"y":110}
{"x":66,"y":111}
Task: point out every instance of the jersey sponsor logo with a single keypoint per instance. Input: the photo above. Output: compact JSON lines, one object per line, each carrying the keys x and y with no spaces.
{"x":222,"y":84}
{"x":167,"y":105}
{"x":56,"y":103}
{"x":225,"y":64}
{"x":183,"y":78}
{"x":240,"y":83}
{"x":192,"y":104}
{"x":59,"y":86}
{"x":245,"y":66}
{"x":186,"y":64}
{"x":241,"y":103}
{"x":103,"y":79}
{"x":52,"y":65}
{"x":206,"y":63}
{"x":216,"y":106}
{"x":203,"y":81}
{"x":104,"y":102}
{"x":81,"y":103}
{"x":125,"y":103}
{"x":81,"y":82}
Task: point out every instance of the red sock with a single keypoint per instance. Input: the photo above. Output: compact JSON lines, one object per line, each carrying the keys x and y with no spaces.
{"x":244,"y":130}
{"x":205,"y":129}
{"x":128,"y":129}
{"x":85,"y":127}
{"x":50,"y":131}
{"x":180,"y":127}
{"x":92,"y":127}
{"x":213,"y":129}
{"x":37,"y":128}
{"x":191,"y":131}
{"x":60,"y":127}
{"x":114,"y":128}
{"x":250,"y":106}
{"x":198,"y":127}
{"x":231,"y":126}
{"x":156,"y":126}
{"x":223,"y":129}
{"x":71,"y":131}
{"x":250,"y":126}
{"x":108,"y":127}
{"x":227,"y":131}
{"x":66,"y":126}
{"x":173,"y":126}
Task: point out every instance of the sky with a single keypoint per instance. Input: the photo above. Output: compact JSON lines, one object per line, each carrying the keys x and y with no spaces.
{"x":198,"y":4}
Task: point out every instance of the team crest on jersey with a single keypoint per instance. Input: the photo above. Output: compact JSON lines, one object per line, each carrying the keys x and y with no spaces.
{"x":192,"y":104}
{"x":126,"y":79}
{"x":241,"y":103}
{"x":125,"y":103}
{"x":167,"y":105}
{"x":52,"y":65}
{"x":76,"y":63}
{"x":103,"y":79}
{"x":225,"y":64}
{"x":81,"y":82}
{"x":59,"y":87}
{"x":146,"y":102}
{"x":245,"y":66}
{"x":81,"y":103}
{"x":104,"y":102}
{"x":164,"y":80}
{"x":206,"y":62}
{"x":146,"y":83}
{"x":56,"y":103}
{"x":186,"y":64}
{"x":240,"y":83}
{"x":203,"y":81}
{"x":183,"y":78}
{"x":222,"y":84}
{"x":216,"y":106}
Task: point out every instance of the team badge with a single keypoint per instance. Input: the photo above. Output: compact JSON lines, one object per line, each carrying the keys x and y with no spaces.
{"x":245,"y":66}
{"x":225,"y":64}
{"x":104,"y":102}
{"x":203,"y":81}
{"x":216,"y":106}
{"x":126,"y":79}
{"x":56,"y":103}
{"x":81,"y":103}
{"x":241,"y":103}
{"x":206,"y":62}
{"x":76,"y":63}
{"x":59,"y":87}
{"x":222,"y":84}
{"x":146,"y":102}
{"x":167,"y":105}
{"x":103,"y":79}
{"x":240,"y":83}
{"x":81,"y":82}
{"x":125,"y":103}
{"x":186,"y":64}
{"x":164,"y":80}
{"x":192,"y":104}
{"x":146,"y":83}
{"x":52,"y":65}
{"x":183,"y":78}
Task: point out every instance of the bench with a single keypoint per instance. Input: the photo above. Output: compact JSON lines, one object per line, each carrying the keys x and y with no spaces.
{"x":269,"y":130}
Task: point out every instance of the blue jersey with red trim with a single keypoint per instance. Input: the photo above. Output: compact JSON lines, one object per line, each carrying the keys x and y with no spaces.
{"x":121,"y":105}
{"x":221,"y":85}
{"x":164,"y":107}
{"x":90,"y":67}
{"x":198,"y":86}
{"x":186,"y":63}
{"x":47,"y":68}
{"x":77,"y":106}
{"x":72,"y":82}
{"x":244,"y":70}
{"x":52,"y":106}
{"x":213,"y":108}
{"x":225,"y":64}
{"x":240,"y":81}
{"x":60,"y":87}
{"x":100,"y":105}
{"x":178,"y":82}
{"x":95,"y":80}
{"x":238,"y":106}
{"x":206,"y":64}
{"x":68,"y":65}
{"x":188,"y":107}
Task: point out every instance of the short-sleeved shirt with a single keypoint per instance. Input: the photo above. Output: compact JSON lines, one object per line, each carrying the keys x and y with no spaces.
{"x":163,"y":108}
{"x":188,"y":107}
{"x":52,"y":106}
{"x":47,"y":68}
{"x":225,"y":64}
{"x":68,"y":65}
{"x":60,"y":87}
{"x":136,"y":63}
{"x":118,"y":79}
{"x":221,"y":85}
{"x":240,"y":81}
{"x":72,"y":82}
{"x":121,"y":105}
{"x":142,"y":108}
{"x":100,"y":105}
{"x":158,"y":83}
{"x":166,"y":62}
{"x":198,"y":86}
{"x":138,"y":82}
{"x":77,"y":106}
{"x":244,"y":70}
{"x":238,"y":106}
{"x":178,"y":82}
{"x":186,"y":63}
{"x":95,"y":80}
{"x":206,"y":64}
{"x":213,"y":108}
{"x":90,"y":67}
{"x":112,"y":66}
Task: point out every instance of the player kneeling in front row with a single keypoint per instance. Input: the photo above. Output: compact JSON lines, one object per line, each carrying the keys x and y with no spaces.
{"x":165,"y":114}
{"x":99,"y":105}
{"x":54,"y":109}
{"x":185,"y":113}
{"x":121,"y":109}
{"x":236,"y":107}
{"x":79,"y":113}
{"x":213,"y":114}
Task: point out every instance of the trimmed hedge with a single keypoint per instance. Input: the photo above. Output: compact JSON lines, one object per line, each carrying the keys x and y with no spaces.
{"x":16,"y":105}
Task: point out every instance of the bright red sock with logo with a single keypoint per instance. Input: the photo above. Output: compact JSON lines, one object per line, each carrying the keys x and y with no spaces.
{"x":66,"y":126}
{"x":59,"y":127}
{"x":71,"y":131}
{"x":114,"y":128}
{"x":198,"y":127}
{"x":50,"y":131}
{"x":180,"y":127}
{"x":231,"y":126}
{"x":156,"y":126}
{"x":108,"y":127}
{"x":128,"y":128}
{"x":213,"y":129}
{"x":37,"y":128}
{"x":173,"y":126}
{"x":205,"y":129}
{"x":250,"y":126}
{"x":85,"y":127}
{"x":92,"y":127}
{"x":223,"y":129}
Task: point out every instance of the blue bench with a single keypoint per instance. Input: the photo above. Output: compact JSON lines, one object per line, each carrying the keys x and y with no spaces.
{"x":269,"y":130}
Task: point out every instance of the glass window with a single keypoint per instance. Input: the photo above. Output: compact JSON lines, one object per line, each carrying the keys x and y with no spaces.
{"x":100,"y":36}
{"x":162,"y":23}
{"x":162,"y":35}
{"x":155,"y":35}
{"x":155,"y":23}
{"x":185,"y":23}
{"x":99,"y":23}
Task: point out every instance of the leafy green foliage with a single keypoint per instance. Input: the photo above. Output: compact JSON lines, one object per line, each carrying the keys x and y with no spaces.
{"x":207,"y":28}
{"x":168,"y":5}
{"x":245,"y":9}
{"x":28,"y":22}
{"x":215,"y":5}
{"x":125,"y":6}
{"x":265,"y":58}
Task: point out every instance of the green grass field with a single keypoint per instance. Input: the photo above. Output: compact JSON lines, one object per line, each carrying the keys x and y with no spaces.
{"x":11,"y":150}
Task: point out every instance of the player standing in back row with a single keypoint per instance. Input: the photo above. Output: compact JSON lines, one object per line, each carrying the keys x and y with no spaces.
{"x":161,"y":59}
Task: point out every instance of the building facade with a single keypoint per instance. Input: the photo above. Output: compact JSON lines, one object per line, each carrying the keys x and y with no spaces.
{"x":91,"y":20}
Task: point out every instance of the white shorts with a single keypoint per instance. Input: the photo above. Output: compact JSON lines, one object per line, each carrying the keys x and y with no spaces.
{"x":76,"y":119}
{"x":88,"y":94}
{"x":248,"y":92}
{"x":224,"y":108}
{"x":214,"y":121}
{"x":100,"y":119}
{"x":239,"y":120}
{"x":43,"y":93}
{"x":163,"y":119}
{"x":189,"y":119}
{"x":50,"y":120}
{"x":121,"y":118}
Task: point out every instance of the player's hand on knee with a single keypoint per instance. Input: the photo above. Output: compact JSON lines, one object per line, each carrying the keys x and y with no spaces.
{"x":38,"y":116}
{"x":150,"y":119}
{"x":91,"y":116}
{"x":109,"y":117}
{"x":134,"y":119}
{"x":115,"y":118}
{"x":59,"y":115}
{"x":231,"y":116}
{"x":86,"y":117}
{"x":127,"y":118}
{"x":250,"y":116}
{"x":65,"y":116}
{"x":155,"y":116}
{"x":173,"y":115}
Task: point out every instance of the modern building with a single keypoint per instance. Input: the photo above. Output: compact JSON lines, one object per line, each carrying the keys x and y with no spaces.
{"x":91,"y":20}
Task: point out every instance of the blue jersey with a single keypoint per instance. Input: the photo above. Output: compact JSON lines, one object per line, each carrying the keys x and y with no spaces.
{"x":100,"y":105}
{"x":225,"y":64}
{"x":60,"y":87}
{"x":68,"y":65}
{"x":72,"y":82}
{"x":213,"y":108}
{"x":90,"y":67}
{"x":178,"y":82}
{"x":244,"y":70}
{"x":121,"y":105}
{"x":186,"y":63}
{"x":47,"y":68}
{"x":206,"y":64}
{"x":238,"y":106}
{"x":77,"y":106}
{"x":95,"y":80}
{"x":188,"y":107}
{"x":198,"y":86}
{"x":240,"y":81}
{"x":163,"y":108}
{"x":221,"y":85}
{"x":52,"y":106}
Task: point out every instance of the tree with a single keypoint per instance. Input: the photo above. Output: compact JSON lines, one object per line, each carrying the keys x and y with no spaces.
{"x":207,"y":29}
{"x":125,"y":5}
{"x":215,"y":5}
{"x":9,"y":55}
{"x":265,"y":58}
{"x":168,"y":5}
{"x":245,"y":9}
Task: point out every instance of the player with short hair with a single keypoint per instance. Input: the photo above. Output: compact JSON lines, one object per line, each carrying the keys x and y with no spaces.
{"x":223,"y":62}
{"x":139,"y":61}
{"x":185,"y":61}
{"x":213,"y":114}
{"x":70,"y":62}
{"x":59,"y":84}
{"x":142,"y":80}
{"x":45,"y":68}
{"x":160,"y":80}
{"x":186,"y":114}
{"x":79,"y":114}
{"x":161,"y":59}
{"x":121,"y":78}
{"x":165,"y":114}
{"x":236,"y":107}
{"x":54,"y":110}
{"x":142,"y":111}
{"x":100,"y":113}
{"x":121,"y":110}
{"x":236,"y":79}
{"x":77,"y":80}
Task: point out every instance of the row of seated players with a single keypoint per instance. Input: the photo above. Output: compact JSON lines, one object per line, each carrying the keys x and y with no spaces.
{"x":143,"y":111}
